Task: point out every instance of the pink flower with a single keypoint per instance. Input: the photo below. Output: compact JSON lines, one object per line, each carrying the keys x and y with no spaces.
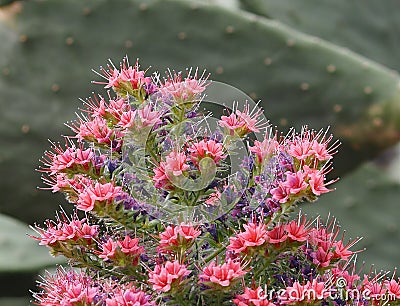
{"x":117,"y":107}
{"x":169,"y":237}
{"x":109,"y":249}
{"x":277,"y":234}
{"x":85,"y":201}
{"x":160,"y":178}
{"x":320,"y":150}
{"x":280,"y":193}
{"x":70,"y":160}
{"x":130,"y":246}
{"x":111,"y":74}
{"x":147,"y":117}
{"x":311,"y":146}
{"x":95,"y":107}
{"x":316,"y":181}
{"x":349,"y":278}
{"x":252,"y":297}
{"x":206,"y":148}
{"x":165,"y":277}
{"x":127,"y":119}
{"x":63,"y":161}
{"x":97,"y":194}
{"x":175,"y":164}
{"x":176,"y":237}
{"x":188,"y":232}
{"x":319,"y":235}
{"x":64,"y":231}
{"x":376,"y":290}
{"x":297,"y":231}
{"x":242,"y":123}
{"x":184,"y":91}
{"x":265,"y":148}
{"x":342,"y":251}
{"x":300,"y":148}
{"x":232,"y":123}
{"x":133,"y":75}
{"x":140,"y":118}
{"x":222,"y":275}
{"x":250,"y":119}
{"x":295,"y":182}
{"x":254,"y":235}
{"x":129,"y":297}
{"x":322,"y":257}
{"x":317,"y":290}
{"x":76,"y":293}
{"x":213,"y":198}
{"x":88,"y":231}
{"x":126,"y":79}
{"x":393,"y":288}
{"x":67,"y":288}
{"x":96,"y":130}
{"x":79,"y":183}
{"x":236,"y":245}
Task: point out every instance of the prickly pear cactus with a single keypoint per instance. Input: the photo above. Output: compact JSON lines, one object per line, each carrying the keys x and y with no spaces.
{"x":373,"y":33}
{"x":300,"y":79}
{"x":20,"y":259}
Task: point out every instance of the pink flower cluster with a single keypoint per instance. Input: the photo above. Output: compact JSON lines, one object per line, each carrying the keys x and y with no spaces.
{"x":184,"y":90}
{"x":256,"y":235}
{"x":177,"y":163}
{"x":168,"y":276}
{"x":318,"y":243}
{"x":123,"y":252}
{"x":67,"y":232}
{"x":69,"y":288}
{"x":129,"y":296}
{"x":222,"y":275}
{"x":175,"y":238}
{"x":241,"y":123}
{"x":97,"y":196}
{"x":127,"y":79}
{"x":70,"y":160}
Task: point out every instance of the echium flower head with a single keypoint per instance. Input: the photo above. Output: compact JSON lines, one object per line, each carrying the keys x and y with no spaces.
{"x":179,"y":213}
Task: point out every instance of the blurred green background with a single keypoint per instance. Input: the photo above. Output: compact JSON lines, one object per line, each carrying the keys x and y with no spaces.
{"x":318,"y":62}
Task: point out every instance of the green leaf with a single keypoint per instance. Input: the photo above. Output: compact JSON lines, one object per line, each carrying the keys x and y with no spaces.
{"x":19,"y":252}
